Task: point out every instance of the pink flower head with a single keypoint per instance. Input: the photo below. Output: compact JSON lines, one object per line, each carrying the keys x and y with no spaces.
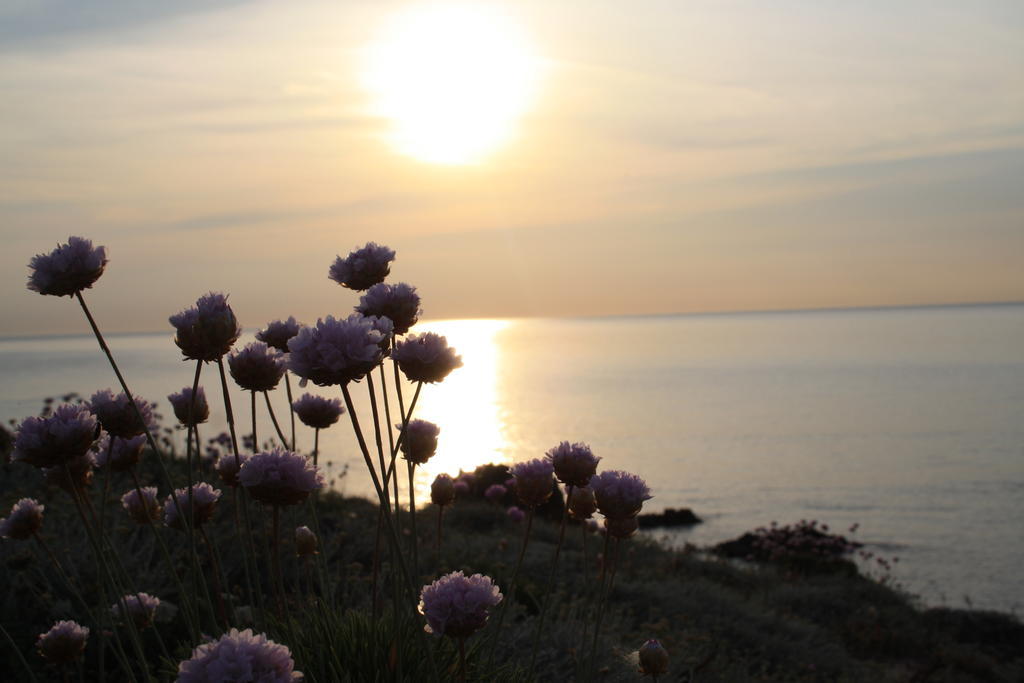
{"x":495,"y":493}
{"x":228,"y":466}
{"x":67,"y":433}
{"x":619,"y":494}
{"x":257,"y":367}
{"x":142,"y":510}
{"x":460,"y":487}
{"x":515,"y":514}
{"x":239,"y":656}
{"x":318,"y":412}
{"x":63,"y":643}
{"x":420,"y":441}
{"x":653,"y":658}
{"x":140,"y":608}
{"x":280,"y":477}
{"x":442,"y":490}
{"x":118,"y":417}
{"x":574,"y":463}
{"x":535,"y":480}
{"x":208,"y":330}
{"x":457,"y":605}
{"x":399,"y":303}
{"x":124,"y":454}
{"x":305,"y":542}
{"x":277,"y":333}
{"x":25,"y":519}
{"x":582,"y":504}
{"x":426,"y":357}
{"x":181,"y":402}
{"x":68,"y":269}
{"x":74,"y":474}
{"x":335,"y":352}
{"x":363,"y":267}
{"x":205,"y":498}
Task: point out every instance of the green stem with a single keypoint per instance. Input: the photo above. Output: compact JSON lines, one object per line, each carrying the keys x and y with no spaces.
{"x":512,"y":587}
{"x":277,"y":427}
{"x":291,"y":409}
{"x":551,"y":579}
{"x":412,"y":519}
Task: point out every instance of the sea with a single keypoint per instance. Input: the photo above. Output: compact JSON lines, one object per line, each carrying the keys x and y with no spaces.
{"x":908,"y":422}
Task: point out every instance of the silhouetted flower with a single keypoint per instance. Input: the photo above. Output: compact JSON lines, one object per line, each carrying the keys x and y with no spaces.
{"x":257,"y":367}
{"x":653,"y":658}
{"x":457,"y":605}
{"x":24,"y":520}
{"x":280,"y":477}
{"x":574,"y":463}
{"x":208,"y":330}
{"x":399,"y":303}
{"x":74,"y":474}
{"x":142,"y":510}
{"x":305,"y":541}
{"x":495,"y":493}
{"x":117,"y":416}
{"x":318,"y":412}
{"x":67,"y":433}
{"x":426,"y":357}
{"x":442,"y":490}
{"x":582,"y":504}
{"x":181,"y":402}
{"x":239,"y":656}
{"x":68,"y":269}
{"x":205,"y":498}
{"x":63,"y":643}
{"x":363,"y":267}
{"x":123,"y":456}
{"x":516,"y":514}
{"x":619,"y":494}
{"x":534,"y":481}
{"x":228,"y":466}
{"x":277,"y":333}
{"x":621,"y":527}
{"x":420,"y":441}
{"x":140,"y":608}
{"x":335,"y":352}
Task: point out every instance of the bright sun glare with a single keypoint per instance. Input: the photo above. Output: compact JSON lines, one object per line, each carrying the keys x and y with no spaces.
{"x":452,"y":80}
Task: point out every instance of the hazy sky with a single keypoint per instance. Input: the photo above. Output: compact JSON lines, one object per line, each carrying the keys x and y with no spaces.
{"x":673,"y":156}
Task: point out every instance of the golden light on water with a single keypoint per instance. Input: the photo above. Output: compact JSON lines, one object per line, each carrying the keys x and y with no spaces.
{"x":465,"y":405}
{"x":451,"y":79}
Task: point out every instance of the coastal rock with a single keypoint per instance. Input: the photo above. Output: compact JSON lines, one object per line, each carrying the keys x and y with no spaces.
{"x":670,"y":517}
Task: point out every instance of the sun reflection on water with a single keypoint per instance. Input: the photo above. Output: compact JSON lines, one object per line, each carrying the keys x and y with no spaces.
{"x":465,"y":405}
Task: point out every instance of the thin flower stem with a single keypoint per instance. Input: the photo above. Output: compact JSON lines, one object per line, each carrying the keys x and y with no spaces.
{"x":255,"y":441}
{"x":551,"y":579}
{"x":512,"y":586}
{"x":291,"y":408}
{"x":387,"y":408}
{"x":462,"y":658}
{"x":277,"y":427}
{"x":440,"y":528}
{"x":412,"y":519}
{"x":375,"y":605}
{"x":17,"y":651}
{"x":376,"y":432}
{"x":217,"y":586}
{"x":406,"y":417}
{"x":275,"y":559}
{"x":604,"y":596}
{"x":106,"y":485}
{"x":316,"y":445}
{"x":190,"y":522}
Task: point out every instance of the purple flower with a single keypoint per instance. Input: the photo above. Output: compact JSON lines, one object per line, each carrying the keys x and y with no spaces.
{"x":534,"y":481}
{"x":138,"y":607}
{"x":442,"y":490}
{"x":426,"y":357}
{"x":653,"y":658}
{"x":515,"y":514}
{"x":67,"y":433}
{"x":318,"y":412}
{"x":461,"y":487}
{"x":363,"y":268}
{"x":239,"y":656}
{"x":118,"y":417}
{"x":144,"y":510}
{"x":276,"y":334}
{"x":621,"y":527}
{"x":205,"y":498}
{"x":420,"y":441}
{"x":24,"y":520}
{"x":257,"y":367}
{"x":63,"y":643}
{"x":619,"y":494}
{"x":181,"y":403}
{"x":305,"y":542}
{"x":574,"y":463}
{"x":335,"y":352}
{"x":399,"y":303}
{"x":457,"y":605}
{"x":495,"y":493}
{"x":123,"y":456}
{"x":68,"y":269}
{"x":280,"y":477}
{"x":582,"y":504}
{"x":228,"y":467}
{"x":208,"y":330}
{"x":74,"y":474}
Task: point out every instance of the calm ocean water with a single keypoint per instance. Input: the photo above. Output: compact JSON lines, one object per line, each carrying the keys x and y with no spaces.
{"x":909,"y":422}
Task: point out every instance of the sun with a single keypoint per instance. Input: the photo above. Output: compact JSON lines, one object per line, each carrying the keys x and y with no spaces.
{"x":452,"y":80}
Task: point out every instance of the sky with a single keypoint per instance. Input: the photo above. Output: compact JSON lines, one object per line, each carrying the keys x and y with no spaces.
{"x":653,"y":157}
